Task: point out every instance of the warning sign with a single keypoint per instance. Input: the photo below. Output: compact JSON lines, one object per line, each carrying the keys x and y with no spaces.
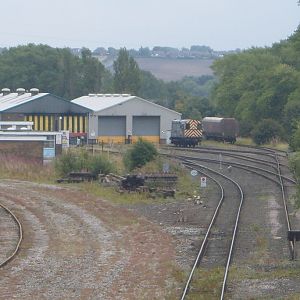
{"x":203,"y":181}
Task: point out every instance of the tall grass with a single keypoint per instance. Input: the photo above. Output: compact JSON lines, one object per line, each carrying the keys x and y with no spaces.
{"x":15,"y":167}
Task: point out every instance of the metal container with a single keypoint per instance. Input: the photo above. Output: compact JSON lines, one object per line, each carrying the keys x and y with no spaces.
{"x":223,"y":129}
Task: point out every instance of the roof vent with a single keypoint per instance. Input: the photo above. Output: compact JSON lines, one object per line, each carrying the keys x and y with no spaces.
{"x":116,"y":95}
{"x":99,"y":95}
{"x":107,"y":95}
{"x":125,"y":95}
{"x":92,"y":95}
{"x":20,"y":91}
{"x":5,"y":91}
{"x":34,"y":91}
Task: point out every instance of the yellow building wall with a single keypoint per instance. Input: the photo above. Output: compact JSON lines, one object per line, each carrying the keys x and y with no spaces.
{"x":111,"y":139}
{"x":152,"y":139}
{"x":47,"y":123}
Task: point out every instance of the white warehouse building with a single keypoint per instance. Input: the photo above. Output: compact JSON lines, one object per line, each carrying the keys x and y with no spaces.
{"x":118,"y":118}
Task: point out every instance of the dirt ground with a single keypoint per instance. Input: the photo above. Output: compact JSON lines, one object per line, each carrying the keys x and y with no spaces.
{"x":79,"y":247}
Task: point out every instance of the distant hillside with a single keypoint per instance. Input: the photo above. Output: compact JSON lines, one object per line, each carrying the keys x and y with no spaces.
{"x":169,"y":69}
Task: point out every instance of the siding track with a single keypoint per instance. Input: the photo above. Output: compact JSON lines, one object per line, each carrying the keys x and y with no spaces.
{"x":262,"y":162}
{"x":215,"y":253}
{"x":11,"y":235}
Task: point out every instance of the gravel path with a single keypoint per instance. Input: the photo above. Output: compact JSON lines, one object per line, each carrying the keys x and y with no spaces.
{"x":79,"y":247}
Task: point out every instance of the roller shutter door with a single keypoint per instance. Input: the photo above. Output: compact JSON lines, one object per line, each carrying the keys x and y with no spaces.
{"x":112,"y":127}
{"x":146,"y":127}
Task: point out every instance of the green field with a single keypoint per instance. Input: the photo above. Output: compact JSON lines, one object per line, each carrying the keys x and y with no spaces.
{"x":169,"y":69}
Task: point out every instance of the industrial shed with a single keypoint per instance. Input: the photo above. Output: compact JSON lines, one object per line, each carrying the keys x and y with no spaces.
{"x":119,"y":118}
{"x":47,"y":111}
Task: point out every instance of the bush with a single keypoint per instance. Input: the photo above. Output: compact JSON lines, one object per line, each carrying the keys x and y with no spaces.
{"x":265,"y":131}
{"x":295,"y":166}
{"x":295,"y":139}
{"x":99,"y":165}
{"x":141,"y":153}
{"x":66,"y":163}
{"x":71,"y":161}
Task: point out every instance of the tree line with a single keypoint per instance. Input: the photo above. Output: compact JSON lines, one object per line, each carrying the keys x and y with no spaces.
{"x":260,"y":86}
{"x":58,"y":71}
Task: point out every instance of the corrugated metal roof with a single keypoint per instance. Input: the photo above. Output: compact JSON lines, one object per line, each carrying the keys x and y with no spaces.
{"x":97,"y":102}
{"x":212,"y":119}
{"x":14,"y":99}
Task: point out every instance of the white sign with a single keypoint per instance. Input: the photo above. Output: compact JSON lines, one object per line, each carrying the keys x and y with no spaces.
{"x":194,"y":173}
{"x":166,"y":168}
{"x":65,"y":139}
{"x":58,"y":139}
{"x":203,"y":181}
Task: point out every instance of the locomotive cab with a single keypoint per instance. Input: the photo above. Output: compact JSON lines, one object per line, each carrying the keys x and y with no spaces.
{"x":186,"y":133}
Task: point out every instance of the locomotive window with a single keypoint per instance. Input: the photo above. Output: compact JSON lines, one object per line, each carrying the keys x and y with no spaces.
{"x":199,"y":126}
{"x":187,"y":126}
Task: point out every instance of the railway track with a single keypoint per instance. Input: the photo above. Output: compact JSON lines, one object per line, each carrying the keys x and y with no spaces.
{"x":226,"y":240}
{"x":10,"y":235}
{"x":267,"y":165}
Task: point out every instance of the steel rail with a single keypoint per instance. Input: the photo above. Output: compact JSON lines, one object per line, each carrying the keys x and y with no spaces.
{"x":266,"y":153}
{"x":239,"y":156}
{"x":239,"y":165}
{"x":205,"y":240}
{"x":258,"y":150}
{"x":230,"y":253}
{"x":266,"y":149}
{"x":20,"y":233}
{"x":291,"y":243}
{"x":280,"y":183}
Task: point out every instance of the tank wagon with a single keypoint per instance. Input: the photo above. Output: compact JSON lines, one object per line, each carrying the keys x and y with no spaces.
{"x":220,"y":129}
{"x":186,"y":133}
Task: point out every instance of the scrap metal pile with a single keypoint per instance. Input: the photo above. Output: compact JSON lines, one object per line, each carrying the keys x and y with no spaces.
{"x":162,"y":183}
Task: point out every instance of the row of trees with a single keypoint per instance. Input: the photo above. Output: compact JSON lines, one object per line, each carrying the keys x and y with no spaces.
{"x":261,"y":84}
{"x":62,"y":73}
{"x":53,"y":70}
{"x":260,"y":87}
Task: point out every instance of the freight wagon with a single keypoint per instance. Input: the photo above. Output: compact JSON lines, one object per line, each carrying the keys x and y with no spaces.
{"x":220,"y":129}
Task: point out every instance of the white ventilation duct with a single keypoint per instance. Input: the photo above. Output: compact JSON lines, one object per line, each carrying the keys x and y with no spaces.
{"x":20,"y":91}
{"x":5,"y":91}
{"x":34,"y":91}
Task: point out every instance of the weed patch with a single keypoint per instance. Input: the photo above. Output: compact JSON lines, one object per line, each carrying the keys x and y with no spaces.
{"x":206,"y":284}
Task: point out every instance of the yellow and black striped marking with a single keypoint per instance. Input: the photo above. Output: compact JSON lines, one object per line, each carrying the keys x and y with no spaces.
{"x":73,"y":123}
{"x":193,"y":129}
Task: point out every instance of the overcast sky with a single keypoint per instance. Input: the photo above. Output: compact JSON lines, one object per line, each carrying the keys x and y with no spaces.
{"x":220,"y":24}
